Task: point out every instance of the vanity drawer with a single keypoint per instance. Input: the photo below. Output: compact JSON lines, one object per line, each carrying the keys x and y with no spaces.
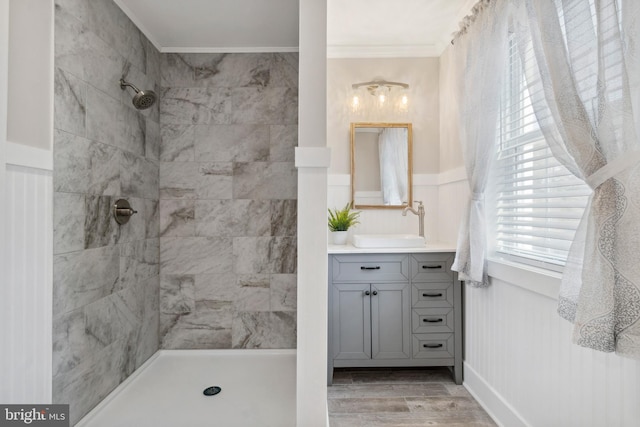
{"x":370,"y":268}
{"x":432,"y":320}
{"x":433,"y":346}
{"x":432,"y":294}
{"x":432,"y":267}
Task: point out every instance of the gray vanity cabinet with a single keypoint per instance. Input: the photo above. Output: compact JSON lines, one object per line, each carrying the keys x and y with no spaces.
{"x":371,"y":308}
{"x":390,"y":310}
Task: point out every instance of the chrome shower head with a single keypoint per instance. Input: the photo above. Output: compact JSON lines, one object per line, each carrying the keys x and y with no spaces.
{"x":143,"y":99}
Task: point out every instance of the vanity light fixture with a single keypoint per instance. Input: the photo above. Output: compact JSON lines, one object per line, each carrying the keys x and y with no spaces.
{"x":385,"y":93}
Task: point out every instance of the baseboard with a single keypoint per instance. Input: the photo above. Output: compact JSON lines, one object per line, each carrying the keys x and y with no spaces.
{"x":496,"y":406}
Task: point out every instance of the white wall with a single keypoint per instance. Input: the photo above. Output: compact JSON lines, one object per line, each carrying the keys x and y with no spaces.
{"x":453,"y":192}
{"x":5,"y":370}
{"x":26,"y":218}
{"x":312,"y":161}
{"x":454,"y":189}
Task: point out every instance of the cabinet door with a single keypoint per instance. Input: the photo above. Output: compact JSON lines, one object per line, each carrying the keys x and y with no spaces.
{"x":351,"y":322}
{"x":391,"y":320}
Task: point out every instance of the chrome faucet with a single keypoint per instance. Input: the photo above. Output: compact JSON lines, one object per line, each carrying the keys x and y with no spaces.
{"x":419,"y":212}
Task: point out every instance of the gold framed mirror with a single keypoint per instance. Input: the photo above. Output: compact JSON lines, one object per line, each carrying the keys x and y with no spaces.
{"x":381,"y":165}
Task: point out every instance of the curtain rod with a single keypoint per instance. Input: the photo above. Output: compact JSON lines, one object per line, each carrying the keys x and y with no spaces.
{"x":468,"y":20}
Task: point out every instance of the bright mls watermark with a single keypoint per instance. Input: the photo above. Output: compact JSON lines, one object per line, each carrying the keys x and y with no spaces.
{"x":34,"y":415}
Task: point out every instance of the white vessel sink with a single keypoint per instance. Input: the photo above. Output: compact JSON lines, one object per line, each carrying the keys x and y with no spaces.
{"x":388,"y":241}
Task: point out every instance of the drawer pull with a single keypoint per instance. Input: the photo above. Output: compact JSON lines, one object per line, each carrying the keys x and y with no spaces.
{"x":431,"y":345}
{"x":431,"y":295}
{"x":377,"y":267}
{"x":431,"y":267}
{"x":432,"y":320}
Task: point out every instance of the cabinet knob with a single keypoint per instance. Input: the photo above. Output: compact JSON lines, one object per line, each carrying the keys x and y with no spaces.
{"x":375,"y":293}
{"x":367,"y":293}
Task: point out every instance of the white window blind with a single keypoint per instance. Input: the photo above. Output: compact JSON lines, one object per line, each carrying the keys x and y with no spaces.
{"x":538,"y":202}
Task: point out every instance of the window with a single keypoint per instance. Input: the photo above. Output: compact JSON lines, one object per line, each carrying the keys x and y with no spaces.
{"x":538,"y":203}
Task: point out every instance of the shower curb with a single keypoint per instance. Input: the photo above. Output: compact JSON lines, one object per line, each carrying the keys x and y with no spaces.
{"x":86,"y":420}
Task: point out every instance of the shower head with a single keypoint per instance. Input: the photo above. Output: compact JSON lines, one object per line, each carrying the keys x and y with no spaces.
{"x":143,"y":99}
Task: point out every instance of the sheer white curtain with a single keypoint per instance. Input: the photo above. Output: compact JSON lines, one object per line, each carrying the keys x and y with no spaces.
{"x":393,"y":149}
{"x":579,"y":59}
{"x":481,"y":48}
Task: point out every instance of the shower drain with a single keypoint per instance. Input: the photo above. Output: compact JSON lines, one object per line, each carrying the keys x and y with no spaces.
{"x":212,"y":391}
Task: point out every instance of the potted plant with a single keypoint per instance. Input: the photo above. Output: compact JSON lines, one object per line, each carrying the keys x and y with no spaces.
{"x":339,"y":222}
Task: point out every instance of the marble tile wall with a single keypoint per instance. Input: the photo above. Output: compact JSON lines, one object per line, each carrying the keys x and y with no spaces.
{"x":106,"y":277}
{"x":228,"y":209}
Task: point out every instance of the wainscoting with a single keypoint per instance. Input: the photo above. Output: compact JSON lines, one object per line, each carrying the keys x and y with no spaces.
{"x":25,"y":302}
{"x":373,"y":221}
{"x":521,"y":365}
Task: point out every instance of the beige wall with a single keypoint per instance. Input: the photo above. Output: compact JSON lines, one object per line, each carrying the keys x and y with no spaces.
{"x":422,"y":74}
{"x":450,"y":151}
{"x":30,"y":73}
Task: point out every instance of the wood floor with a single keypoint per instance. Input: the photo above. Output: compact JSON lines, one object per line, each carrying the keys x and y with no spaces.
{"x":401,"y":397}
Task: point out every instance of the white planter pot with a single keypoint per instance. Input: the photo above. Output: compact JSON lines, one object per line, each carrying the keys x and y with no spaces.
{"x":339,"y":237}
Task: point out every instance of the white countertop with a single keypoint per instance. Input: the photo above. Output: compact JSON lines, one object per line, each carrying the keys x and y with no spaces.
{"x":429,"y":247}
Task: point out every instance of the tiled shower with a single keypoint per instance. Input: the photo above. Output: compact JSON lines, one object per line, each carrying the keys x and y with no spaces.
{"x":228,"y":189}
{"x":209,"y":260}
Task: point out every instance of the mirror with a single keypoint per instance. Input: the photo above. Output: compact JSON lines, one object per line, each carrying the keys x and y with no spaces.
{"x":381,"y":165}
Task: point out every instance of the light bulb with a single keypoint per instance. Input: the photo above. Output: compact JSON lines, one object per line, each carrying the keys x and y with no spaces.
{"x":382,"y":95}
{"x":402,"y":106}
{"x":355,"y":104}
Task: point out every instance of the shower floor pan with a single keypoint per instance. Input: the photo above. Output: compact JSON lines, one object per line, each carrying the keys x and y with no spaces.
{"x":257,"y":389}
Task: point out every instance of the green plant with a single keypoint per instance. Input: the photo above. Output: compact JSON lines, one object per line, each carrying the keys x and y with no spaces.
{"x":342,"y":219}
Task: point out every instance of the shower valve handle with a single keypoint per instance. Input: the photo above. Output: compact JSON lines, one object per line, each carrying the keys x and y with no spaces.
{"x":125,"y":212}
